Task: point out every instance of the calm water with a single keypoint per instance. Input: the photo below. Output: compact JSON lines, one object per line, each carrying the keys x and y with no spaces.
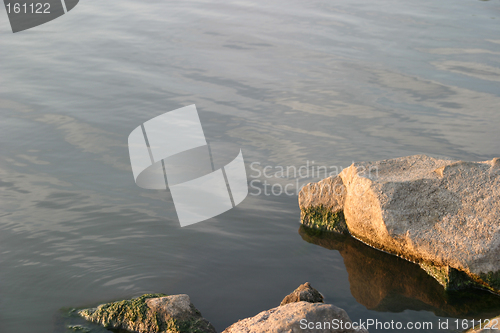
{"x":287,"y":81}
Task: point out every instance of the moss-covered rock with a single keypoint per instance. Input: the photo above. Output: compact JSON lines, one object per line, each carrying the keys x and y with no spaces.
{"x":150,"y":313}
{"x":322,"y":205}
{"x":323,"y":218}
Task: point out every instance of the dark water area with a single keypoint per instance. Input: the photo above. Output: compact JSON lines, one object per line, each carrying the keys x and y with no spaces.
{"x":313,"y":85}
{"x":387,"y":283}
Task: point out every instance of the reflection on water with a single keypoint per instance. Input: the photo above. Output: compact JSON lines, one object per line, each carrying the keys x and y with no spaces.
{"x":384,"y":282}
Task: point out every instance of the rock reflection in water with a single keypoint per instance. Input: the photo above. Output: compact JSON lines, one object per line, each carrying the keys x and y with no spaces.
{"x":383,"y":282}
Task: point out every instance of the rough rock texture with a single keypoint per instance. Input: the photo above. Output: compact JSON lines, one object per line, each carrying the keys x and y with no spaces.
{"x":322,"y":205}
{"x":384,"y":282}
{"x":487,"y":327}
{"x":305,"y":292}
{"x":286,"y":319}
{"x":442,"y":214}
{"x":150,"y":313}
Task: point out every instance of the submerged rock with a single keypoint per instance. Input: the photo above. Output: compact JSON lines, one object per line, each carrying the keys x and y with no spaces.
{"x":301,"y":311}
{"x":303,"y":317}
{"x":305,"y":292}
{"x":441,"y":214}
{"x":150,"y":313}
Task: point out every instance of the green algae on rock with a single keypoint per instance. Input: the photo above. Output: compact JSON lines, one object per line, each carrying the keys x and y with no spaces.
{"x":150,"y":313}
{"x":323,"y":218}
{"x":322,"y":205}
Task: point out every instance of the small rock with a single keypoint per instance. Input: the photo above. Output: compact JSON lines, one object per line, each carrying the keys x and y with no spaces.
{"x":305,"y":292}
{"x":150,"y":313}
{"x":297,"y":317}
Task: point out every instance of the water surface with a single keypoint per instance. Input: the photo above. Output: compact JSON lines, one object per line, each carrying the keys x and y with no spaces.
{"x":287,"y":81}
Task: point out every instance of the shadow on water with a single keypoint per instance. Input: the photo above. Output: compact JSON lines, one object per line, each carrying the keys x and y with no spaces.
{"x":386,"y":283}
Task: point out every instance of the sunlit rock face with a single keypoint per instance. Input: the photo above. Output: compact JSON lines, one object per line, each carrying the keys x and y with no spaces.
{"x":442,"y":214}
{"x":297,"y":317}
